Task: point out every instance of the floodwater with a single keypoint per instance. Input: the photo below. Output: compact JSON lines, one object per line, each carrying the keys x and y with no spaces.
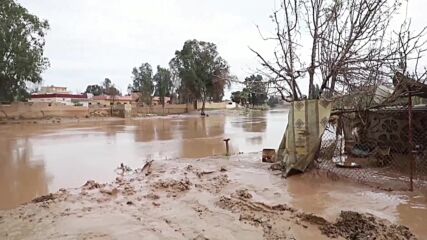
{"x":39,"y":158}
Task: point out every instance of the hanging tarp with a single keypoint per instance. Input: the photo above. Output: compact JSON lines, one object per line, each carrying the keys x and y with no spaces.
{"x":306,"y":122}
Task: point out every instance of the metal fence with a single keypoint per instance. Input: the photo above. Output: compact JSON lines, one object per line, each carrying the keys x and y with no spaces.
{"x":384,"y":147}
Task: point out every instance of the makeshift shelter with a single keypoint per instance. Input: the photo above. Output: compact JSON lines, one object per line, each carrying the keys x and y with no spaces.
{"x":379,"y":128}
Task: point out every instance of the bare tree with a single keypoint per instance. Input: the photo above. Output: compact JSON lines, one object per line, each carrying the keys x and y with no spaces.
{"x":350,"y":46}
{"x":284,"y":66}
{"x":410,"y":49}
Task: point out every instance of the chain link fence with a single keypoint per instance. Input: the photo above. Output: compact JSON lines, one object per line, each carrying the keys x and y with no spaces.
{"x":383,"y":147}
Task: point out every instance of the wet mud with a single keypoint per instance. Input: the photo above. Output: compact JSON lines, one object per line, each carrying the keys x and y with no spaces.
{"x":211,"y":198}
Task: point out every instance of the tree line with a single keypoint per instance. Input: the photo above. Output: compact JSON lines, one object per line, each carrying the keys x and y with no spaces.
{"x":196,"y":72}
{"x":254,"y":92}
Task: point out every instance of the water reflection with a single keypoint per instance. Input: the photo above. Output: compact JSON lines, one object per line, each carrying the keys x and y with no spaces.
{"x":22,"y":175}
{"x":164,"y":129}
{"x":203,"y":137}
{"x":145,"y":131}
{"x":329,"y":197}
{"x":254,"y":140}
{"x":74,"y":153}
{"x":413,"y":213}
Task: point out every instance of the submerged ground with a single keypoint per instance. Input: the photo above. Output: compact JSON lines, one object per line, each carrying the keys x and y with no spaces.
{"x":186,"y":195}
{"x":211,"y":198}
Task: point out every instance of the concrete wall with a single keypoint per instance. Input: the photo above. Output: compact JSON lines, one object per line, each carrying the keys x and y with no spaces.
{"x":168,"y":109}
{"x":64,"y":101}
{"x":212,"y":105}
{"x":23,"y":110}
{"x":123,"y":111}
{"x":26,"y":110}
{"x":100,"y":112}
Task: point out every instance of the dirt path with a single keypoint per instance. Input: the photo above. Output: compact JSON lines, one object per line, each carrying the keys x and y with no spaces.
{"x":215,"y":198}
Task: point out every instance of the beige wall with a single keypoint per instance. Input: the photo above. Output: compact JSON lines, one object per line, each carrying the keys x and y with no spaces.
{"x":107,"y":103}
{"x":212,"y":105}
{"x":168,"y":109}
{"x":22,"y":110}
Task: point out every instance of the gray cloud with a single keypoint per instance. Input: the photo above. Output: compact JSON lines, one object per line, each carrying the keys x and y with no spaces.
{"x":91,"y":40}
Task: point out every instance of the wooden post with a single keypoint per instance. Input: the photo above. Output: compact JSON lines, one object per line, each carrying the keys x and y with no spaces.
{"x":226,"y":147}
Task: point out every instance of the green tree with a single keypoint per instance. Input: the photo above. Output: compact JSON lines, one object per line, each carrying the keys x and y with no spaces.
{"x":95,"y":89}
{"x":163,"y":80}
{"x":257,"y":90}
{"x":273,"y":101}
{"x":236,"y":97}
{"x":239,"y":97}
{"x":112,"y":91}
{"x":203,"y":73}
{"x":21,"y":49}
{"x":143,"y":82}
{"x":106,"y":85}
{"x":108,"y":88}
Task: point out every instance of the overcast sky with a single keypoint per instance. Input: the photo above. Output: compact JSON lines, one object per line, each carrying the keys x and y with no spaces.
{"x":93,"y":39}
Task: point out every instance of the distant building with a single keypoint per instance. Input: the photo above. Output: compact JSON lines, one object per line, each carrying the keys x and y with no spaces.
{"x":60,"y":95}
{"x":64,"y":98}
{"x":52,"y":89}
{"x":156,"y":100}
{"x":105,"y":100}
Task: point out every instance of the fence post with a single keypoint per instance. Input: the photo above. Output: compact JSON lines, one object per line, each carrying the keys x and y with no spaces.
{"x":410,"y":138}
{"x":227,"y":147}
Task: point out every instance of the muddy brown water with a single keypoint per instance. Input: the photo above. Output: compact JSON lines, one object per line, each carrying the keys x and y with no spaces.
{"x":39,"y":158}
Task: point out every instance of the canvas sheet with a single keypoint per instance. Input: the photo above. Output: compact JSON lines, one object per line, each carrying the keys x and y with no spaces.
{"x":306,"y":122}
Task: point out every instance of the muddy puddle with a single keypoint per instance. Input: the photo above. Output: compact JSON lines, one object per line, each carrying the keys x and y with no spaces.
{"x":39,"y":158}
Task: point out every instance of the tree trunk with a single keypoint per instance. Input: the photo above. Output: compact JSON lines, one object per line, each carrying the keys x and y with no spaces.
{"x":202,"y":112}
{"x":333,"y":81}
{"x":311,"y":82}
{"x":162,"y":101}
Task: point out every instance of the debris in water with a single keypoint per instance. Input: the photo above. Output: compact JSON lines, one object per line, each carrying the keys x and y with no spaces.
{"x":269,"y":155}
{"x":147,"y":168}
{"x":243,"y":193}
{"x":91,"y":184}
{"x":44,"y":198}
{"x":111,"y":192}
{"x":173,"y":185}
{"x":200,"y":174}
{"x":124,"y":169}
{"x":276,"y":166}
{"x":152,"y":196}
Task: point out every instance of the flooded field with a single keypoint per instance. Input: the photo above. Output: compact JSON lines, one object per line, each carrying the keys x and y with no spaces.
{"x":39,"y":158}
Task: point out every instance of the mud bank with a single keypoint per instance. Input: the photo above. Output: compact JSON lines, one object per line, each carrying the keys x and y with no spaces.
{"x":212,"y":198}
